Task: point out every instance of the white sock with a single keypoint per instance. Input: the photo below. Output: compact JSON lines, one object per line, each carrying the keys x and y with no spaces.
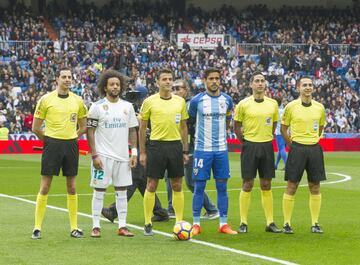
{"x":97,"y":204}
{"x":121,"y":206}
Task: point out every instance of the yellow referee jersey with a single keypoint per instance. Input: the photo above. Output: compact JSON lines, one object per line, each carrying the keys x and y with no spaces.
{"x":304,"y":121}
{"x":60,"y":114}
{"x":165,"y":116}
{"x":257,"y":118}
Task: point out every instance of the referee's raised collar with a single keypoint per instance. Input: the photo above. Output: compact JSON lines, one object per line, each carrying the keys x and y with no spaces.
{"x":63,"y":96}
{"x":306,"y":104}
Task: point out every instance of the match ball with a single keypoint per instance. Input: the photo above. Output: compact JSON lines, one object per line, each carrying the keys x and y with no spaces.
{"x":182,"y":230}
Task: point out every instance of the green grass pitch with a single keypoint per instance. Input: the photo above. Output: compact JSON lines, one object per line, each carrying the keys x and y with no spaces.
{"x":340,"y":219}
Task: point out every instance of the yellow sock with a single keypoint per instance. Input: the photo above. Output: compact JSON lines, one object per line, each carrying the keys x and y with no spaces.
{"x":288,"y":206}
{"x":72,"y":205}
{"x":245,"y":198}
{"x":315,"y":204}
{"x":149,"y":202}
{"x":41,"y":201}
{"x":178,"y":204}
{"x":267,"y":204}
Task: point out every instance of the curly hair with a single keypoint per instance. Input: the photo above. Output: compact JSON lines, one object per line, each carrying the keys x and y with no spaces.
{"x":105,"y":76}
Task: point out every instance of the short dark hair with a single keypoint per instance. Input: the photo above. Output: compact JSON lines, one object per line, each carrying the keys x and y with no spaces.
{"x":57,"y":74}
{"x":105,"y":76}
{"x":164,"y":71}
{"x":303,"y":77}
{"x":210,"y":70}
{"x":255,"y":74}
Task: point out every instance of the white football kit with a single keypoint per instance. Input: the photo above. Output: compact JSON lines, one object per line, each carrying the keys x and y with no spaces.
{"x":112,"y":122}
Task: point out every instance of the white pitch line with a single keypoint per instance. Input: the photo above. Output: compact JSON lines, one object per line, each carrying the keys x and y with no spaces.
{"x":344,"y":179}
{"x":212,"y":245}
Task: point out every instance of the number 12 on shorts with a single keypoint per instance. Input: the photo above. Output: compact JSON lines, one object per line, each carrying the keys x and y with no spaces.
{"x":98,"y":174}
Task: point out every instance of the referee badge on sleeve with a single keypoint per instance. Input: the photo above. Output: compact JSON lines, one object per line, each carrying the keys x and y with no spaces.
{"x":316,"y":126}
{"x":177,"y":118}
{"x":73,"y":117}
{"x":268,"y":121}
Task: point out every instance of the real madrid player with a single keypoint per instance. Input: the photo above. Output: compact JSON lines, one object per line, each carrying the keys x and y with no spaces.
{"x":168,"y":146}
{"x":62,"y":111}
{"x":306,"y":119}
{"x":211,"y":110}
{"x":255,"y":122}
{"x":111,"y":126}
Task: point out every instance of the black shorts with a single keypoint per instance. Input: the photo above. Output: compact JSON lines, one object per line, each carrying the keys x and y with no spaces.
{"x":305,"y":157}
{"x":164,"y":155}
{"x":257,"y":157}
{"x":58,"y":154}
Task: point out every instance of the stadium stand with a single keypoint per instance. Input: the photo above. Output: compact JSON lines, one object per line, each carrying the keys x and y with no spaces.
{"x":326,"y":46}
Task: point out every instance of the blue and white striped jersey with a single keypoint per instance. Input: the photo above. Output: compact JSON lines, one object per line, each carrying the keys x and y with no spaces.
{"x":278,"y":125}
{"x":211,"y":114}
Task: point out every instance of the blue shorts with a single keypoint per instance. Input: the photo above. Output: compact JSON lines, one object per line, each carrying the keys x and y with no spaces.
{"x":205,"y":161}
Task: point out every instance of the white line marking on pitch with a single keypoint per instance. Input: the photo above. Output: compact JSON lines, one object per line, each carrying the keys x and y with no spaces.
{"x":344,"y":179}
{"x":212,"y":245}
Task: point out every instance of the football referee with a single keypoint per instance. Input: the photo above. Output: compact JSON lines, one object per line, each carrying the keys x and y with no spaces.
{"x":306,"y":119}
{"x":255,"y":121}
{"x":168,"y":145}
{"x":62,"y":111}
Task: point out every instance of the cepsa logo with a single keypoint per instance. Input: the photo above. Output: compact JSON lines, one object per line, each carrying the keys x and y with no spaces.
{"x":200,"y":40}
{"x":203,"y":40}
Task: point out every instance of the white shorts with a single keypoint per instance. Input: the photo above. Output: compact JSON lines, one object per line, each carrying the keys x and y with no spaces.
{"x":116,"y":173}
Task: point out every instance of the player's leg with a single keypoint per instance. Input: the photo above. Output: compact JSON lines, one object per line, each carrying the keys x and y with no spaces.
{"x":266,"y":174}
{"x":201,"y":173}
{"x":41,"y":202}
{"x":249,"y":165}
{"x":70,"y":166}
{"x":221,"y":172}
{"x":175,"y":169}
{"x":316,"y":173}
{"x":51,"y":161}
{"x":155,"y":168}
{"x":282,"y":149}
{"x":100,"y":180}
{"x":294,"y":170}
{"x":121,"y":178}
{"x":178,"y":197}
{"x":169,"y":192}
{"x":278,"y":157}
{"x":211,"y":210}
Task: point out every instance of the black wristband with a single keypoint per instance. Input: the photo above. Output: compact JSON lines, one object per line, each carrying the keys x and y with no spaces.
{"x":185,"y":152}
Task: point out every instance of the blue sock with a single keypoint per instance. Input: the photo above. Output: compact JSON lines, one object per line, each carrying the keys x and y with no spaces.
{"x":198,"y":199}
{"x":222,"y":200}
{"x":283,"y":154}
{"x":278,"y":157}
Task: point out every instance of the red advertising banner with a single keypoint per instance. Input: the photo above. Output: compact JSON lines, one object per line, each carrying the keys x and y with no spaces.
{"x":27,"y":147}
{"x":328,"y":144}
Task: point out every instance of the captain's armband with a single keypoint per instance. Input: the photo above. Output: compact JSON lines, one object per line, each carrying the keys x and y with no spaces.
{"x":92,"y":123}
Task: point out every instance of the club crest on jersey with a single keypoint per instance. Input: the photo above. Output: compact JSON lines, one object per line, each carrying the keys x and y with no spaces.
{"x":106,"y":107}
{"x":195,"y":171}
{"x":268,"y":121}
{"x":125,"y":112}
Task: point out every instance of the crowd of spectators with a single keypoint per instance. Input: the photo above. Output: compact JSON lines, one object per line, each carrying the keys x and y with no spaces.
{"x":92,"y":39}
